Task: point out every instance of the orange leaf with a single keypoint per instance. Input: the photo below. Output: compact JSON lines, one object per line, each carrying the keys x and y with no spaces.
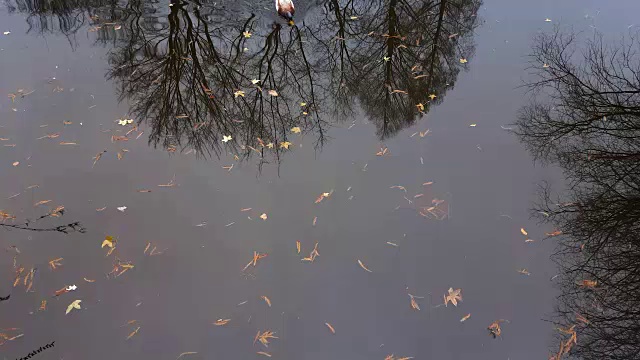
{"x":330,"y":328}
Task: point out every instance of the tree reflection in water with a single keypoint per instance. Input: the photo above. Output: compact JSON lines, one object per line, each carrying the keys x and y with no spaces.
{"x":181,"y":67}
{"x":586,"y":119}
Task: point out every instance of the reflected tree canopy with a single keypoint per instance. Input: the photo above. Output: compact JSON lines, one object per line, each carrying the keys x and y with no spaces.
{"x":585,"y":117}
{"x":195,"y":72}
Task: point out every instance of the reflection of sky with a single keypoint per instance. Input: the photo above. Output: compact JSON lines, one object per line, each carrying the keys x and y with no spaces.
{"x":198,"y":280}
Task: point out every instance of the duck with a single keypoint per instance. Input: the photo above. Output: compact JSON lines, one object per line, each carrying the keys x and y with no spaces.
{"x":286,"y":9}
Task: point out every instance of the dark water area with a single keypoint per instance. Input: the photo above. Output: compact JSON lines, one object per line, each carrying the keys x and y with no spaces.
{"x":428,"y":192}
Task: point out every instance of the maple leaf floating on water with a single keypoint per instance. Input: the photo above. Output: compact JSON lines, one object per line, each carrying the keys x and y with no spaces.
{"x":226,"y":138}
{"x":73,"y":305}
{"x":124,"y":122}
{"x":263,"y":216}
{"x":463,"y":61}
{"x":285,"y":145}
{"x":246,"y":34}
{"x":264,"y":337}
{"x":296,"y":130}
{"x":453,"y":296}
{"x":420,"y":107}
{"x":238,"y":93}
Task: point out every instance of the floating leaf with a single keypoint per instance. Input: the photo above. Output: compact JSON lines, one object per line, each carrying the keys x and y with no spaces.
{"x":246,"y":34}
{"x":463,"y":61}
{"x":272,"y":92}
{"x":221,"y":322}
{"x":226,"y":138}
{"x":264,"y":353}
{"x":330,"y":328}
{"x":108,"y":241}
{"x":285,"y":144}
{"x":453,"y":296}
{"x":464,"y":318}
{"x":494,"y":328}
{"x":524,"y":232}
{"x":73,"y":305}
{"x":296,"y":130}
{"x":263,"y":216}
{"x":133,"y":333}
{"x":364,"y":267}
{"x":298,"y":246}
{"x":524,"y":272}
{"x":266,"y":299}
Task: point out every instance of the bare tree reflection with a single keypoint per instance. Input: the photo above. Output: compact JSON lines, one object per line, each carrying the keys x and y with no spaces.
{"x":202,"y":77}
{"x":586,"y":118}
{"x":196,"y":72}
{"x":395,"y":56}
{"x":57,"y":16}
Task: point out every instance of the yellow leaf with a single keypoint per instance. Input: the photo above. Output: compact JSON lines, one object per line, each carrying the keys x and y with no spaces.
{"x":420,"y":107}
{"x":285,"y":144}
{"x":73,"y":305}
{"x":238,"y":93}
{"x":255,"y":81}
{"x":263,"y":216}
{"x":298,"y":246}
{"x":272,"y":92}
{"x":266,"y":299}
{"x":463,"y":61}
{"x":108,"y":241}
{"x":246,"y":34}
{"x":524,"y":232}
{"x":432,"y":96}
{"x":296,"y":130}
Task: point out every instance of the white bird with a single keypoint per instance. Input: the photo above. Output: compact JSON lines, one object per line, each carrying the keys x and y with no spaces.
{"x":286,"y":9}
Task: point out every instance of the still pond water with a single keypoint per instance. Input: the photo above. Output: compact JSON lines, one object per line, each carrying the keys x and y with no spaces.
{"x":428,"y":192}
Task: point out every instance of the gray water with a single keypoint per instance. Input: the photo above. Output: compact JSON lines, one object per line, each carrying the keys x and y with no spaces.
{"x":83,"y":70}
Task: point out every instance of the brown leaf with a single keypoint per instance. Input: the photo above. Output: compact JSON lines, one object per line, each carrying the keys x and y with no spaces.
{"x":266,"y":299}
{"x":330,"y":328}
{"x":221,"y":322}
